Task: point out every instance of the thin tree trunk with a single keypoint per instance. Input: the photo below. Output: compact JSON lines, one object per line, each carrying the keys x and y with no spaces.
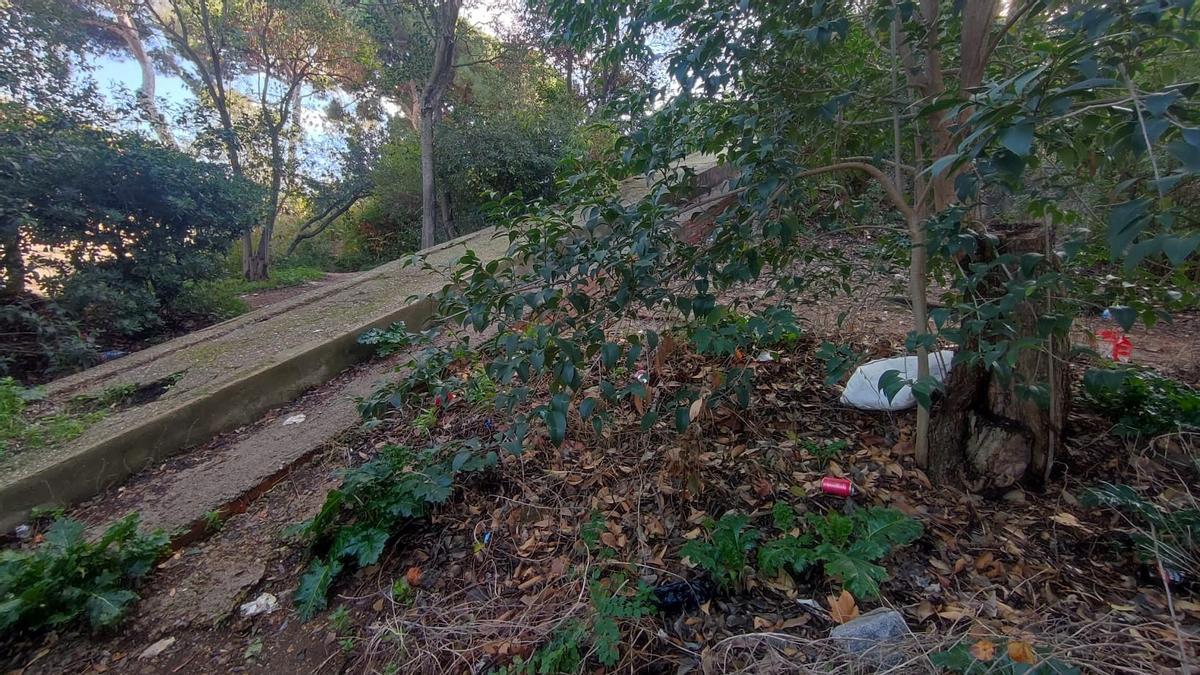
{"x":428,"y":196}
{"x":446,"y":216}
{"x":12,"y":261}
{"x":440,"y":77}
{"x":146,"y":96}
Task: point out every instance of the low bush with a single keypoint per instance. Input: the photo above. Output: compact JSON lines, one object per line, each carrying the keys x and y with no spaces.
{"x":847,"y":547}
{"x":374,"y":500}
{"x":1143,"y":403}
{"x":68,"y":578}
{"x":38,"y":340}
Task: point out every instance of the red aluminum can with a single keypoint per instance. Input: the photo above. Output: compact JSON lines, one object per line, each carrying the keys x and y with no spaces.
{"x":841,"y":487}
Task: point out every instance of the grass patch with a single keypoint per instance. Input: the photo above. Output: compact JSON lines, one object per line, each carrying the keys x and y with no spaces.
{"x":220,"y":299}
{"x":20,"y":430}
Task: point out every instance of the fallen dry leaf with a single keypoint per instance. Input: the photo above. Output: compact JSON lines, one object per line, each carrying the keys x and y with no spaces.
{"x":1067,"y":519}
{"x":1022,"y":652}
{"x":843,"y":608}
{"x":984,"y":650}
{"x":413,"y":576}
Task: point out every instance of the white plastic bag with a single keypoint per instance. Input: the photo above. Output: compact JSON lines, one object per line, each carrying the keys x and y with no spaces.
{"x":862,"y":391}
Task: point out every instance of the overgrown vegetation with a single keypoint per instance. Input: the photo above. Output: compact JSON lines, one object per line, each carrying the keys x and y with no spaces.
{"x":18,"y":429}
{"x":68,"y":578}
{"x":1141,"y":402}
{"x":846,"y":547}
{"x":1164,"y":535}
{"x":373,"y":502}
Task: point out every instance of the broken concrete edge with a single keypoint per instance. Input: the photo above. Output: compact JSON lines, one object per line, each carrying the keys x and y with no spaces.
{"x":197,"y":419}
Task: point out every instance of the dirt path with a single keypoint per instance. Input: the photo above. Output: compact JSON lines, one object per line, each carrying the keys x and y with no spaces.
{"x":266,"y":298}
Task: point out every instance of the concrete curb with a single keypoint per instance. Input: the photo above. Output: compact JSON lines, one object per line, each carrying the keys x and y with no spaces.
{"x":199,"y":417}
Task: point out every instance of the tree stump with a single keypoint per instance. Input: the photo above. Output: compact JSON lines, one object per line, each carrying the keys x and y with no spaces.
{"x":993,"y":433}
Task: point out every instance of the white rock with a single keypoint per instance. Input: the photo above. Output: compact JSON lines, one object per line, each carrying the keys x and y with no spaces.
{"x":263,"y":604}
{"x":862,"y":390}
{"x":157,"y":648}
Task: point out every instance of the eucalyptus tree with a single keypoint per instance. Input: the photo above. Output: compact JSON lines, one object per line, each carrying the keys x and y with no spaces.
{"x":1013,"y":144}
{"x":248,"y":62}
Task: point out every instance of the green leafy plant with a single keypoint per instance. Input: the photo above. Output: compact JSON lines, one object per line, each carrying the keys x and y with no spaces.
{"x":395,"y":338}
{"x":374,"y":500}
{"x":339,"y":621}
{"x":839,"y":360}
{"x":825,"y":451}
{"x":610,"y":604}
{"x":1003,"y":658}
{"x":724,"y":332}
{"x":402,"y":591}
{"x":847,"y":547}
{"x":68,"y":578}
{"x":428,"y":372}
{"x":1160,"y":533}
{"x":1142,"y":402}
{"x":724,"y":555}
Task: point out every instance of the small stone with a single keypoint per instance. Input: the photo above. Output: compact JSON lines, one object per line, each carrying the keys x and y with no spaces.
{"x":157,"y":648}
{"x":874,"y":635}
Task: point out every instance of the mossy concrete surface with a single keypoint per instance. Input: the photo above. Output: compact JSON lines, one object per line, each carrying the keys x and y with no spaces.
{"x":230,"y":374}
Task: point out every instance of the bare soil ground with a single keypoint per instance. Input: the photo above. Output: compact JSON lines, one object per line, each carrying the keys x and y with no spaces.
{"x":501,"y":568}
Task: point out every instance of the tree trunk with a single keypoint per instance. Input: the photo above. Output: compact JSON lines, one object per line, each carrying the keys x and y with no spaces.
{"x":440,"y":77}
{"x":128,"y":32}
{"x":11,"y":259}
{"x":428,"y":196}
{"x":446,"y":216}
{"x":994,"y":433}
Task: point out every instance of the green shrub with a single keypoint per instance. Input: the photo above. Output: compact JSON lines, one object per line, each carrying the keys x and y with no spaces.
{"x":359,"y":518}
{"x":111,"y":305}
{"x":210,"y":300}
{"x":846,"y":546}
{"x":724,"y":332}
{"x":38,"y":340}
{"x":1143,"y":403}
{"x":68,"y":578}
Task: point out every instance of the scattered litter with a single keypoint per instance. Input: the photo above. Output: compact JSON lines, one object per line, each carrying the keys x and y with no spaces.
{"x":642,"y":376}
{"x":295,"y":419}
{"x":157,"y":648}
{"x":263,"y":604}
{"x":764,"y":357}
{"x":862,"y":391}
{"x":23,"y":532}
{"x":112,"y":354}
{"x":840,"y":487}
{"x":680,"y":595}
{"x":1115,"y":345}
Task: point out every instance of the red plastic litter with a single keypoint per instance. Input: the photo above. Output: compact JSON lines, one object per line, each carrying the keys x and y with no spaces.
{"x":1115,"y":345}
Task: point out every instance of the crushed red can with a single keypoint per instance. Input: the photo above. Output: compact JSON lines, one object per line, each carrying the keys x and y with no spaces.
{"x":840,"y":487}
